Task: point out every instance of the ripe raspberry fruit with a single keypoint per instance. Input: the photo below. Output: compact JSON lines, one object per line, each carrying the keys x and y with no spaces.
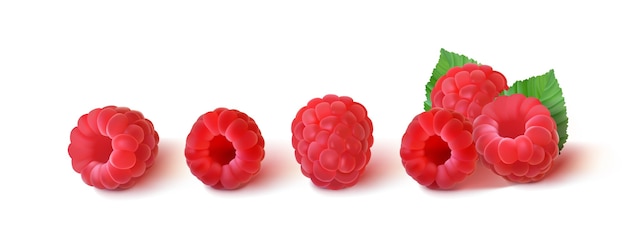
{"x":516,"y":138}
{"x":224,"y":149}
{"x":332,"y":137}
{"x":437,"y":148}
{"x":113,"y":146}
{"x":468,"y":89}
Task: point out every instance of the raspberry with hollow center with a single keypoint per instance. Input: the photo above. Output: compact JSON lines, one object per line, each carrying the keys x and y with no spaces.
{"x":111,"y":147}
{"x":437,"y":148}
{"x":517,"y":138}
{"x":332,"y":137}
{"x":467,"y":89}
{"x":224,"y":149}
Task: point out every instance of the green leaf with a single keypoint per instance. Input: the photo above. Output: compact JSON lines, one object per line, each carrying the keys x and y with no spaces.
{"x":447,"y":60}
{"x":546,"y":88}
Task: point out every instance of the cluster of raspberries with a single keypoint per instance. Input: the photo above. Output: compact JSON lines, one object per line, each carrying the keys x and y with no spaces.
{"x":111,"y":147}
{"x":470,"y":121}
{"x":515,"y":136}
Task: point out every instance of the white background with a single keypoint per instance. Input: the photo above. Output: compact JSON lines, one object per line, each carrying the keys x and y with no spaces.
{"x":175,"y":60}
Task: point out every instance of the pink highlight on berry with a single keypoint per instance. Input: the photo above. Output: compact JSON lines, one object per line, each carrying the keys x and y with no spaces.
{"x":224,"y":149}
{"x":437,"y":149}
{"x":516,"y":138}
{"x":332,"y":137}
{"x":111,"y":147}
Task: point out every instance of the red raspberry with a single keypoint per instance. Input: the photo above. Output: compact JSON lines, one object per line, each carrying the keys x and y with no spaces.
{"x":332,"y":137}
{"x":517,"y":138}
{"x":224,"y":148}
{"x":113,"y":146}
{"x":467,"y":89}
{"x":437,"y":148}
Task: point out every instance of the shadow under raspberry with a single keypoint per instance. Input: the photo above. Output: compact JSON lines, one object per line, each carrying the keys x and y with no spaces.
{"x":385,"y":166}
{"x":379,"y":170}
{"x":574,"y":160}
{"x":278,"y":168}
{"x":482,"y":178}
{"x":169,"y":165}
